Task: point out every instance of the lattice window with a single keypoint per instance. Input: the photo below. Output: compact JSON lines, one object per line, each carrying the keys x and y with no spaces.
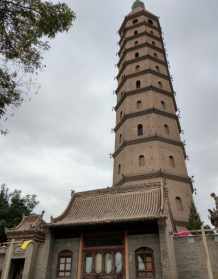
{"x":144,"y":263}
{"x":64,"y":267}
{"x":108,"y":263}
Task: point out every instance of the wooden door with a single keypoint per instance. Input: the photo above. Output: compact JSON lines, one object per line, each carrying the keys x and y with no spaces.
{"x":17,"y":266}
{"x":103,"y":263}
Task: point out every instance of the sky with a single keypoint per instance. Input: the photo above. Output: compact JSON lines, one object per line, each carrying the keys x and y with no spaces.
{"x":60,"y":139}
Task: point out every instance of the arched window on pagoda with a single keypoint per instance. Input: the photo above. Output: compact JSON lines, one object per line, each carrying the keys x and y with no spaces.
{"x":138,"y":84}
{"x":141,"y":161}
{"x":166,"y":129}
{"x":139,"y":104}
{"x":163,"y":105}
{"x":157,"y":68}
{"x":119,"y":169}
{"x":140,"y":130}
{"x":137,"y":67}
{"x":135,"y":21}
{"x":172,"y":162}
{"x":179,"y":204}
{"x":120,"y":138}
{"x":160,"y":84}
{"x":121,"y":114}
{"x":150,"y":22}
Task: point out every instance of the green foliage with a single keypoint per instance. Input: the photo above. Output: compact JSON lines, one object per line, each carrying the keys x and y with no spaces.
{"x":195,"y":222}
{"x":13,"y":205}
{"x":25,"y":27}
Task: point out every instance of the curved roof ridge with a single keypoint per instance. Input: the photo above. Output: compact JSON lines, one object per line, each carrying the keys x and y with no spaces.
{"x":30,"y":220}
{"x":123,"y":192}
{"x":64,"y":213}
{"x":117,"y":189}
{"x":113,"y":206}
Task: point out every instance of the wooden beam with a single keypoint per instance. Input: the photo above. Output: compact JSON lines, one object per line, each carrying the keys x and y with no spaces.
{"x":126,"y":255}
{"x":80,"y":258}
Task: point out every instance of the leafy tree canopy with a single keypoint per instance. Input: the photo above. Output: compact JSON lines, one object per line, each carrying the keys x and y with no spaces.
{"x":13,"y":205}
{"x":25,"y":28}
{"x":195,"y":222}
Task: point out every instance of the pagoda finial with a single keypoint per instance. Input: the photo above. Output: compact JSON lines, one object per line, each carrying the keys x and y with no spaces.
{"x":137,"y":4}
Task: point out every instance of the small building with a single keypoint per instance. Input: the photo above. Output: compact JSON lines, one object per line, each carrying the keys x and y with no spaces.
{"x":106,"y":233}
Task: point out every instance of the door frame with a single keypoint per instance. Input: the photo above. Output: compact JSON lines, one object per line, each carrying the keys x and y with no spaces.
{"x":103,"y":250}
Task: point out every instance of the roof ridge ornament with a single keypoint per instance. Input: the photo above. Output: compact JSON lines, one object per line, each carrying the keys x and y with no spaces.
{"x":137,"y":4}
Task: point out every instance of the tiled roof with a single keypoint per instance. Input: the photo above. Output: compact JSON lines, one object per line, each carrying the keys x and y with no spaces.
{"x":112,"y":205}
{"x":29,"y":223}
{"x":31,"y":227}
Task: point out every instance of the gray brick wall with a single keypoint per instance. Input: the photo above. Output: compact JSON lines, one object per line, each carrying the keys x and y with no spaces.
{"x":41,"y":260}
{"x":191,"y":258}
{"x":150,"y":241}
{"x":213,"y":250}
{"x":2,"y":258}
{"x":58,"y":246}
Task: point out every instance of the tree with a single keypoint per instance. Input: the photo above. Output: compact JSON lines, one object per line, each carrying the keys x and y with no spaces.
{"x":25,"y":27}
{"x":13,"y":205}
{"x":194,"y":222}
{"x":214,"y":212}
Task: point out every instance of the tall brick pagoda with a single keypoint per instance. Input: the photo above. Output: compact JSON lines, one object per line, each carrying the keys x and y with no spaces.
{"x":148,"y":146}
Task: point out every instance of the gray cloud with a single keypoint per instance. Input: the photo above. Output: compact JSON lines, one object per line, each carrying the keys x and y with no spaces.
{"x":61,"y":140}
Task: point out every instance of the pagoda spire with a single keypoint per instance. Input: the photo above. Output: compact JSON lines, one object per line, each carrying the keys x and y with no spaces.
{"x":138,"y":4}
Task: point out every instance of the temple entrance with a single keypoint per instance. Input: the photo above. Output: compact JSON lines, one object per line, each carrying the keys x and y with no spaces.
{"x":103,"y":263}
{"x":16,"y":271}
{"x":103,"y":258}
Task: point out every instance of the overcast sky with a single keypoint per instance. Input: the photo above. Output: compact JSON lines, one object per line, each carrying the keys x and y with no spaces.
{"x":61,"y":139}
